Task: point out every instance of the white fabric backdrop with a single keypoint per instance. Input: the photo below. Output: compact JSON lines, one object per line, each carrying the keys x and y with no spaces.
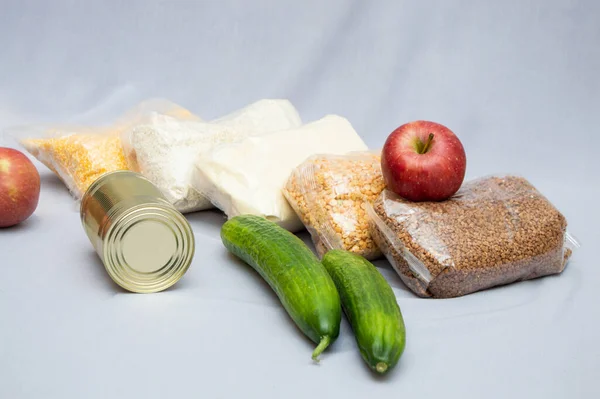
{"x":516,"y":80}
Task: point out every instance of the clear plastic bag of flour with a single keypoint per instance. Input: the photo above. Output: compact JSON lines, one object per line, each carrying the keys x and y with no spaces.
{"x":78,"y":155}
{"x":329,"y":193}
{"x":262,"y":116}
{"x":164,"y":149}
{"x":496,"y":230}
{"x":248,"y":176}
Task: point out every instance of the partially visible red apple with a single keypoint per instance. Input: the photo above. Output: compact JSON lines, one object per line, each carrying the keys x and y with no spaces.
{"x":19,"y":187}
{"x":423,"y":161}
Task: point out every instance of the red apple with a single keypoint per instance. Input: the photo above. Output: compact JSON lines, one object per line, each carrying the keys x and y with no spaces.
{"x":423,"y":161}
{"x":19,"y":187}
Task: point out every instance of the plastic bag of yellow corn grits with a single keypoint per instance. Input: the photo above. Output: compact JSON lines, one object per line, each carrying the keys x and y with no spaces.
{"x":79,"y":155}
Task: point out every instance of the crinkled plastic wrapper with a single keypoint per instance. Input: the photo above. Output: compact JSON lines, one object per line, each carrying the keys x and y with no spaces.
{"x":164,"y":149}
{"x":329,"y":193}
{"x":496,"y":230}
{"x":247,"y":177}
{"x":79,"y":155}
{"x":78,"y":159}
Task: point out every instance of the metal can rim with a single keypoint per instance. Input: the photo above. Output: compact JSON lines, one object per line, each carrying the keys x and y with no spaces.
{"x":173,"y":273}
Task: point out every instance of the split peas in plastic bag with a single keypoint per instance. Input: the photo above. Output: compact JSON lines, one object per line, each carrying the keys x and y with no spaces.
{"x":80,"y":155}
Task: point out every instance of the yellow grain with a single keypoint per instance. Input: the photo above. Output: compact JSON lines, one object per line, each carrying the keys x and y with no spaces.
{"x":79,"y":159}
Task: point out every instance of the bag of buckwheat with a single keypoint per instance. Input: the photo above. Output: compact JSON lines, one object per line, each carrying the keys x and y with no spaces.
{"x":495,"y":230}
{"x":329,"y":194}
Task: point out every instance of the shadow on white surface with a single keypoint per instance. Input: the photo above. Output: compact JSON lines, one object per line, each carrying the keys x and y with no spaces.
{"x":49,"y":181}
{"x":28,"y":224}
{"x":207,"y":219}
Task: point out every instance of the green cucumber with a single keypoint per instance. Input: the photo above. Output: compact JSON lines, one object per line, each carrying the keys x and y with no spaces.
{"x":371,"y":308}
{"x":291,"y":269}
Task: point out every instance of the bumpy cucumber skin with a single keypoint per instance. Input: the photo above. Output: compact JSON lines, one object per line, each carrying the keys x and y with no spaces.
{"x":371,"y":308}
{"x":300,"y":281}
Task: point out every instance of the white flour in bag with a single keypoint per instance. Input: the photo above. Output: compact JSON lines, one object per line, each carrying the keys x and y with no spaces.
{"x":262,"y":116}
{"x":164,"y":150}
{"x":247,"y":177}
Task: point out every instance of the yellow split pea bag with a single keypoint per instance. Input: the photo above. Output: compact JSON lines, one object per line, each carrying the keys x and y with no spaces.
{"x":330,"y":193}
{"x":80,"y":155}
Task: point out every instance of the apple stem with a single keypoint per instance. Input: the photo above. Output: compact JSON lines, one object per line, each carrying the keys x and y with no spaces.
{"x":427,"y":144}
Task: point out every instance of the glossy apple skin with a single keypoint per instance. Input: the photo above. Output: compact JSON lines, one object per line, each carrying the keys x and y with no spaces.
{"x":19,"y":187}
{"x":433,"y":176}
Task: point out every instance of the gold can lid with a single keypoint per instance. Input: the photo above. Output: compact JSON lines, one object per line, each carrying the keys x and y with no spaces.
{"x":148,"y":248}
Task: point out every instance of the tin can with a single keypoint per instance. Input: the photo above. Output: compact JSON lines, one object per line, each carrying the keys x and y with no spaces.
{"x":145,"y":244}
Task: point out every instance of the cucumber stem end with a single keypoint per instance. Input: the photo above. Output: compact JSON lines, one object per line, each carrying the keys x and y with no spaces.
{"x":381,"y":367}
{"x":325,"y":341}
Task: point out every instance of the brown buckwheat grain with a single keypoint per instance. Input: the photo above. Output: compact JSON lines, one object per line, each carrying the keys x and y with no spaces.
{"x":494,"y":231}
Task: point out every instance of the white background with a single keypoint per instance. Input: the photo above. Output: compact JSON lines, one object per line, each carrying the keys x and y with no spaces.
{"x":517,"y":81}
